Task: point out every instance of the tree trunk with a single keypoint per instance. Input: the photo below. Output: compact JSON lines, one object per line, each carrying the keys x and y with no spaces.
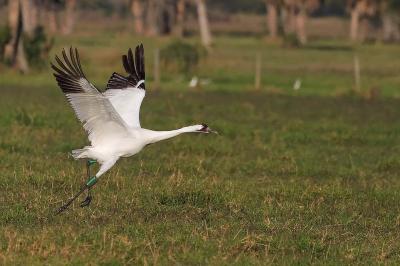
{"x":354,"y":23}
{"x":272,"y":19}
{"x":29,"y":16}
{"x":289,"y":20}
{"x":14,"y":51}
{"x":301,"y":18}
{"x":152,"y":18}
{"x":137,"y":12}
{"x":180,"y":18}
{"x":203,"y":23}
{"x":21,"y":63}
{"x":10,"y":50}
{"x":390,"y":27}
{"x":167,"y":17}
{"x":390,"y":23}
{"x":35,"y":14}
{"x":41,"y":9}
{"x":364,"y":29}
{"x":69,"y":16}
{"x":52,"y":18}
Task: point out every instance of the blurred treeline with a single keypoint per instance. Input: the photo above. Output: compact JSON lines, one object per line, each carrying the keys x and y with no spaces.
{"x":31,"y":25}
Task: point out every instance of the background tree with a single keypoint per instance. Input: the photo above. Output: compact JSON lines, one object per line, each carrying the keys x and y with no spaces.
{"x":390,"y":15}
{"x":272,"y":7}
{"x":51,"y":15}
{"x":204,"y":27}
{"x":137,"y":12}
{"x":360,"y":10}
{"x":180,"y":18}
{"x":69,"y":16}
{"x":296,"y":12}
{"x":168,"y":16}
{"x":14,"y":50}
{"x":293,"y":14}
{"x":30,"y":16}
{"x":159,"y":17}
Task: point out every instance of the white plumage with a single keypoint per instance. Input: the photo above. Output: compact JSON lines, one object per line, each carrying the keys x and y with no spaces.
{"x":111,"y":118}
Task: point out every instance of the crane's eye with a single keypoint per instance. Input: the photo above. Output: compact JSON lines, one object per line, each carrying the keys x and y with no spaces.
{"x":204,"y":128}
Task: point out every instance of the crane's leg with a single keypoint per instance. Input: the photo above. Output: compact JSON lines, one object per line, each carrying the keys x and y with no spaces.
{"x":106,"y":166}
{"x":89,"y":184}
{"x":93,"y":180}
{"x":89,"y":197}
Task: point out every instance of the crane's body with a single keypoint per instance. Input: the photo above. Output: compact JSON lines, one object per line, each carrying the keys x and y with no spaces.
{"x":109,"y":150}
{"x":110,"y":118}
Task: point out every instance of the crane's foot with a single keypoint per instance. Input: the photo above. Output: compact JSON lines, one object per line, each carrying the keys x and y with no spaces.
{"x":69,"y":202}
{"x":87,"y":201}
{"x":92,"y":181}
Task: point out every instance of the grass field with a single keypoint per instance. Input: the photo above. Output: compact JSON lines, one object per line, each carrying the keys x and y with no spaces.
{"x":301,"y":177}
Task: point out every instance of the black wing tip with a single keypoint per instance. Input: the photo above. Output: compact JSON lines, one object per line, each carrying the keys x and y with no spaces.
{"x":139,"y":56}
{"x":119,"y":82}
{"x":68,"y":71}
{"x":134,"y":64}
{"x":141,"y":47}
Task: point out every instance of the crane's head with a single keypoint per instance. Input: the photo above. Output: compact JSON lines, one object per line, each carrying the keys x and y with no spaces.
{"x":203,"y":128}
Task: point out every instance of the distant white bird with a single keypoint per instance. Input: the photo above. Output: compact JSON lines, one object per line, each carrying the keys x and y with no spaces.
{"x":297,"y":84}
{"x":111,"y":118}
{"x":194,"y":82}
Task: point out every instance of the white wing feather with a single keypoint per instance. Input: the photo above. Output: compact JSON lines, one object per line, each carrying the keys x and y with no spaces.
{"x":93,"y":109}
{"x":127,"y":103}
{"x":99,"y":118}
{"x":126,"y":93}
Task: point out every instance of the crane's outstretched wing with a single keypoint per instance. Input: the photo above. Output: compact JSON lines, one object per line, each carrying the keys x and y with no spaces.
{"x":126,"y":93}
{"x":92,"y":108}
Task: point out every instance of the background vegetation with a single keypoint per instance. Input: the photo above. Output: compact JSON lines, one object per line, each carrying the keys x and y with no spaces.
{"x":305,"y":171}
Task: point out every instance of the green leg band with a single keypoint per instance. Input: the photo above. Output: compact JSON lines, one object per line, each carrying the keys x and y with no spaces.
{"x":91,"y":182}
{"x":90,"y":162}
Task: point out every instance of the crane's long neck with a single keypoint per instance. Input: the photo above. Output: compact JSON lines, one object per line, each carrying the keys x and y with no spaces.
{"x":155,"y":136}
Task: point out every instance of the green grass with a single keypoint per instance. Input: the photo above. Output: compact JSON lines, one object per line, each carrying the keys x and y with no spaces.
{"x":294,"y":178}
{"x":290,"y":179}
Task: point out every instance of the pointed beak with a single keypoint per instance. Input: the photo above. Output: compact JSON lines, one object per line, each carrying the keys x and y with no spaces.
{"x":212,"y":131}
{"x":206,"y":129}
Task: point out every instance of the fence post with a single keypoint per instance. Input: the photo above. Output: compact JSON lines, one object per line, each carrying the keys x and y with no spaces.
{"x":257,"y":79}
{"x":357,"y":74}
{"x":157,"y":68}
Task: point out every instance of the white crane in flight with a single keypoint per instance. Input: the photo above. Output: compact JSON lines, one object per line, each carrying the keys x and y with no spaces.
{"x":110,"y":118}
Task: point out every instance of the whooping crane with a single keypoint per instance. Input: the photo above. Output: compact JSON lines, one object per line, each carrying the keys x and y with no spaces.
{"x":111,"y":118}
